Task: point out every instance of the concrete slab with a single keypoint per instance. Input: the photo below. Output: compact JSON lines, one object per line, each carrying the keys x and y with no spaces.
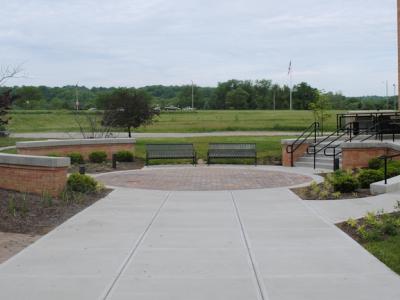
{"x":256,"y":244}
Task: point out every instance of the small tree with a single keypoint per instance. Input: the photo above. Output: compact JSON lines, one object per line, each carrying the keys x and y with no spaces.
{"x":127,"y":108}
{"x":6,"y":100}
{"x":320,"y":108}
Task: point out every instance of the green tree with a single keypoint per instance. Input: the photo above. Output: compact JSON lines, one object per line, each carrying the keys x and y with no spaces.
{"x":6,"y":99}
{"x":320,"y":108}
{"x":28,"y":97}
{"x":303,"y":95}
{"x":127,"y":108}
{"x":237,"y":99}
{"x":185,"y":97}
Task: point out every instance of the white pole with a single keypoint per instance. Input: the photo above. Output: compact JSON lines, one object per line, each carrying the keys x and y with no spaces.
{"x":291,"y":91}
{"x":394,"y":96}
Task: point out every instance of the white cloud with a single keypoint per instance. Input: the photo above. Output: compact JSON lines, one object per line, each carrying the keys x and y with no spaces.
{"x":347,"y":45}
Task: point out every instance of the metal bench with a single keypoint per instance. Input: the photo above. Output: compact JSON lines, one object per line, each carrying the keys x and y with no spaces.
{"x":170,"y":151}
{"x":230,"y":150}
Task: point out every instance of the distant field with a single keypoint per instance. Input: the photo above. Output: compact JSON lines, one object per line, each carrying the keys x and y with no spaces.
{"x":200,"y":121}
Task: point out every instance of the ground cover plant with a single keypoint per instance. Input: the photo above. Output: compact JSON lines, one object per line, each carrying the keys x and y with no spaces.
{"x":379,"y":233}
{"x":38,"y":214}
{"x":198,"y":121}
{"x":336,"y":185}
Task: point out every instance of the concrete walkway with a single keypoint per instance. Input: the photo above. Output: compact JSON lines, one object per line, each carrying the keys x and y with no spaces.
{"x":75,"y":135}
{"x":249,"y":244}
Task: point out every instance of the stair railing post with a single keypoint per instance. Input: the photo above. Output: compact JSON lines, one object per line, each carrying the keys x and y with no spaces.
{"x":291,"y":156}
{"x":315,"y":157}
{"x":385,"y":158}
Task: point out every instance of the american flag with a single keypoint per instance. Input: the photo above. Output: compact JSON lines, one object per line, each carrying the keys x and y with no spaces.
{"x":290,"y":68}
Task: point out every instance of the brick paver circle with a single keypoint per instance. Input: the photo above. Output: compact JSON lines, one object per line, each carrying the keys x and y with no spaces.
{"x":203,"y":179}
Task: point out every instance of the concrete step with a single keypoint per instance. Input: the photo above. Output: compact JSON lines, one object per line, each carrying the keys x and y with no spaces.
{"x":322,"y":160}
{"x":311,"y":165}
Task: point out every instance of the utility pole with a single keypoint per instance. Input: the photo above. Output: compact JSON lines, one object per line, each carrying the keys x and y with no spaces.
{"x":290,"y":73}
{"x":192,"y":95}
{"x":387,"y":94}
{"x":394,"y":96}
{"x":76,"y":97}
{"x":398,"y":53}
{"x":274,"y":99}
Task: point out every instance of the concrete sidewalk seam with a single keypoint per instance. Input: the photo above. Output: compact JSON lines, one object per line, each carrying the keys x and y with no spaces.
{"x":135,"y":247}
{"x":261,"y":289}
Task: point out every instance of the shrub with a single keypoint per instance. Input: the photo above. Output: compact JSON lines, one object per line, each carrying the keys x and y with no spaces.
{"x":53,"y":154}
{"x":375,"y":163}
{"x":366,"y":177}
{"x":344,"y":182}
{"x":98,"y":157}
{"x":124,"y":156}
{"x":81,"y":183}
{"x":76,"y":158}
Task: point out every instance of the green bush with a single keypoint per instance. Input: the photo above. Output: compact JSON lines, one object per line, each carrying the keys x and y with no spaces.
{"x":76,"y":158}
{"x":98,"y":156}
{"x":53,"y":154}
{"x":375,"y":163}
{"x":81,"y":183}
{"x":366,"y":177}
{"x":124,"y":156}
{"x":344,"y":182}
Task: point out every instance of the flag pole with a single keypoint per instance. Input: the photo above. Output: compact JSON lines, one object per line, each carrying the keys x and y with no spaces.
{"x":291,"y":91}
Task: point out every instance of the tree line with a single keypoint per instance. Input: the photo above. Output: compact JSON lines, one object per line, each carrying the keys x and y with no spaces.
{"x":232,"y":94}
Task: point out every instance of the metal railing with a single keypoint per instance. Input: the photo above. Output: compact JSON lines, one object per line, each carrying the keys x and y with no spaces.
{"x":385,"y":166}
{"x":373,"y":131}
{"x":313,"y":129}
{"x":333,"y":137}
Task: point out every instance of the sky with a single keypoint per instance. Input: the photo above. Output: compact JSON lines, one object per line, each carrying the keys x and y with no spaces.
{"x":346,"y":46}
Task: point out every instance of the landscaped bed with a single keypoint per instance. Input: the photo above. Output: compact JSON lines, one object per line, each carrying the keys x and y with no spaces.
{"x":25,"y":217}
{"x":336,"y":186}
{"x":379,"y":233}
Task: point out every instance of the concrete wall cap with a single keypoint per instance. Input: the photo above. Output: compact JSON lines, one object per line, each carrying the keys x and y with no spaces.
{"x":74,"y":142}
{"x":37,"y":161}
{"x":371,"y":145}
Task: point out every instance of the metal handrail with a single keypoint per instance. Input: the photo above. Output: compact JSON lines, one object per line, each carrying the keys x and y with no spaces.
{"x":350,"y":139}
{"x":385,"y":158}
{"x":312,"y":129}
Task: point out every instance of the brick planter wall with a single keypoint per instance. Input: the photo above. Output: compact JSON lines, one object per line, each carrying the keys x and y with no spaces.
{"x":84,"y":147}
{"x":286,"y":157}
{"x":356,"y":154}
{"x":358,"y":158}
{"x":35,"y":180}
{"x":33,"y":174}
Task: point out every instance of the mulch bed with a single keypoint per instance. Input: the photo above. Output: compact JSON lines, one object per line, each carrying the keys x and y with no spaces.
{"x":92,"y":168}
{"x":36,"y":215}
{"x":306,"y":194}
{"x":351,"y":231}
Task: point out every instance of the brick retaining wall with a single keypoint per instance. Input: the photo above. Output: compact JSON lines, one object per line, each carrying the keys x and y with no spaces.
{"x":33,"y":174}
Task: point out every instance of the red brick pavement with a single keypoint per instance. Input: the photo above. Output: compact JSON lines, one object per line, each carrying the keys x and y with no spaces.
{"x":203,"y":179}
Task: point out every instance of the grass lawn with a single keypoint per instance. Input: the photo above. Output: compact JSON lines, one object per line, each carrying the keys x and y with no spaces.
{"x":7,"y":141}
{"x":199,"y":121}
{"x":387,"y":251}
{"x":379,"y":234}
{"x":266,"y":146}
